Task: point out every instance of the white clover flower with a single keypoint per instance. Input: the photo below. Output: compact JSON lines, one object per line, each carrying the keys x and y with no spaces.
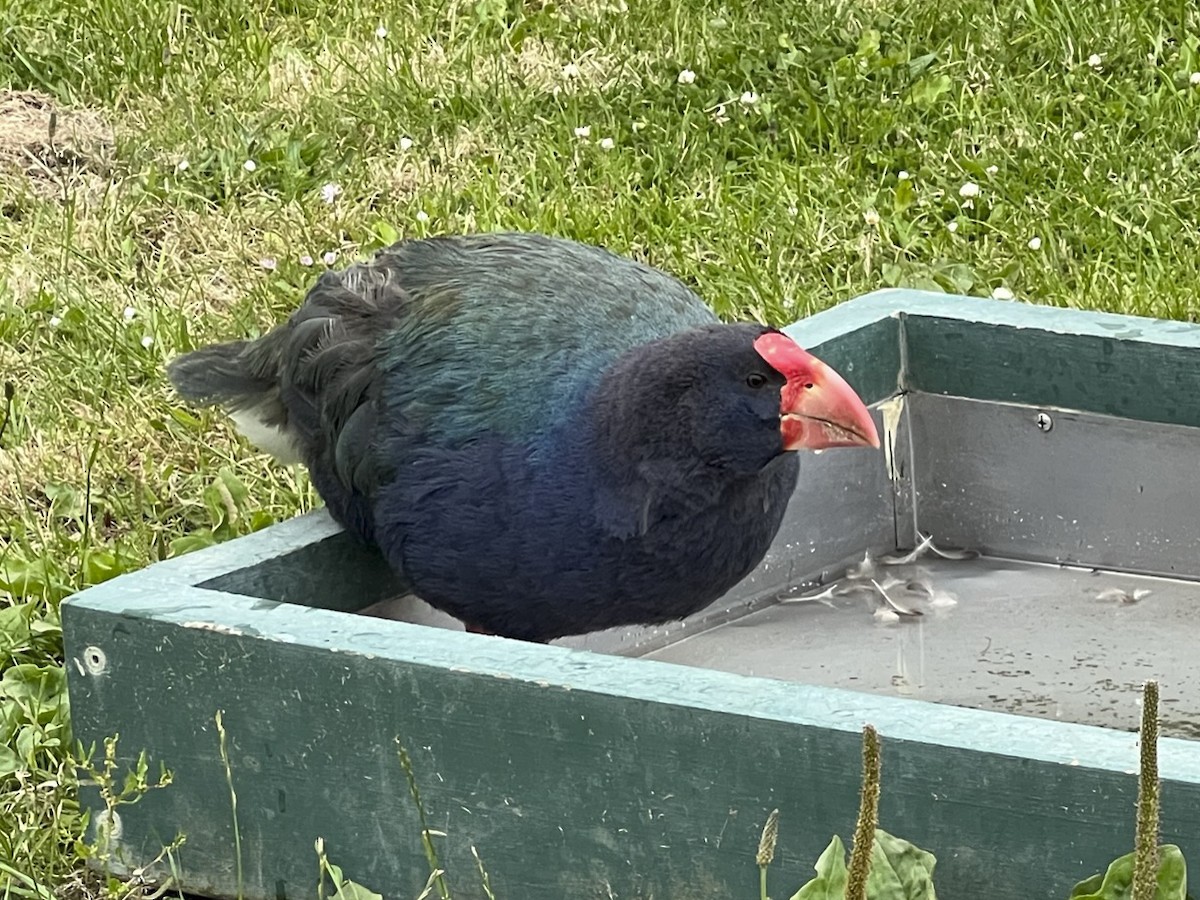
{"x":268,"y":263}
{"x":969,"y":190}
{"x":182,"y":165}
{"x":1077,"y":136}
{"x":687,"y":76}
{"x":903,"y":175}
{"x":330,"y":257}
{"x":871,"y":217}
{"x":570,"y":70}
{"x":1195,"y":79}
{"x":55,"y":321}
{"x":422,"y":216}
{"x":381,"y":32}
{"x":1095,"y":60}
{"x":305,"y":260}
{"x":406,"y":143}
{"x":129,"y":313}
{"x":749,"y":98}
{"x":330,"y":192}
{"x":583,"y":131}
{"x":1002,"y":293}
{"x":1035,"y":243}
{"x":249,"y":165}
{"x":992,"y":170}
{"x":607,"y":143}
{"x":147,"y":342}
{"x":952,"y":227}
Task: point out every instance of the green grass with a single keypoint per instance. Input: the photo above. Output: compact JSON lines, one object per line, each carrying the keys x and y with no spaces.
{"x":773,"y":209}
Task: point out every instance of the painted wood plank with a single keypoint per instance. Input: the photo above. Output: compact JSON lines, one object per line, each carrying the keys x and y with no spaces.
{"x":571,"y":773}
{"x":1114,"y":374}
{"x":1005,"y":314}
{"x":333,"y":571}
{"x":1130,"y":366}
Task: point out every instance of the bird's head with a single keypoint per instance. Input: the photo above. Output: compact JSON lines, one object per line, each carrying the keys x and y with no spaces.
{"x":744,"y":394}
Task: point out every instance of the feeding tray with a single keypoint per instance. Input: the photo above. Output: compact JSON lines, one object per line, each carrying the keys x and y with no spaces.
{"x":1060,"y":446}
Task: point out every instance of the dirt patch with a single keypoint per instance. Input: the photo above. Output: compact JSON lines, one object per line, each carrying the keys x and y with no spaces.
{"x":46,"y":142}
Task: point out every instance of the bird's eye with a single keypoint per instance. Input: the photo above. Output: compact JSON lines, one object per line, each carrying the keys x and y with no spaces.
{"x":756,"y":379}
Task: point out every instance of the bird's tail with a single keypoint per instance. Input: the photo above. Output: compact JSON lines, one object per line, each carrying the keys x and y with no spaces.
{"x":237,"y":377}
{"x":217,"y":374}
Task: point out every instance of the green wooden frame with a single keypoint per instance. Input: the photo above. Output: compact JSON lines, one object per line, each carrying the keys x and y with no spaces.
{"x":579,"y":774}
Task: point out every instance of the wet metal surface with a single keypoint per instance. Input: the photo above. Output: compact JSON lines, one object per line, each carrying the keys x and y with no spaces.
{"x":1024,"y":638}
{"x":1090,"y":489}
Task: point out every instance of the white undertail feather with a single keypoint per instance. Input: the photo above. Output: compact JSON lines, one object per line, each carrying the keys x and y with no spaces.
{"x":267,"y":438}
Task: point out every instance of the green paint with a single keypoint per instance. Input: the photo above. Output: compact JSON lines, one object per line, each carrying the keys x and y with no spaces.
{"x":337,"y":572}
{"x":1109,"y":374}
{"x":867,"y":354}
{"x":1139,"y":368}
{"x":651,"y":771}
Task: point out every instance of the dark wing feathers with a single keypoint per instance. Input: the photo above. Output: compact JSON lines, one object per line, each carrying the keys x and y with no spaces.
{"x":312,"y":381}
{"x":217,"y":374}
{"x":443,"y":338}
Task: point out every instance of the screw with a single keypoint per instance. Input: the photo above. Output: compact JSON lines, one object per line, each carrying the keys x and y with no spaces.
{"x":1044,"y":422}
{"x":95,"y":660}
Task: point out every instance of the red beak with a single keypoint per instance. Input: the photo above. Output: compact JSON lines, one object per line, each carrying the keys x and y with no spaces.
{"x":819,"y":410}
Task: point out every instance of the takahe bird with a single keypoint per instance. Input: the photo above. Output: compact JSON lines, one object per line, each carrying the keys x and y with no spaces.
{"x":542,"y":437}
